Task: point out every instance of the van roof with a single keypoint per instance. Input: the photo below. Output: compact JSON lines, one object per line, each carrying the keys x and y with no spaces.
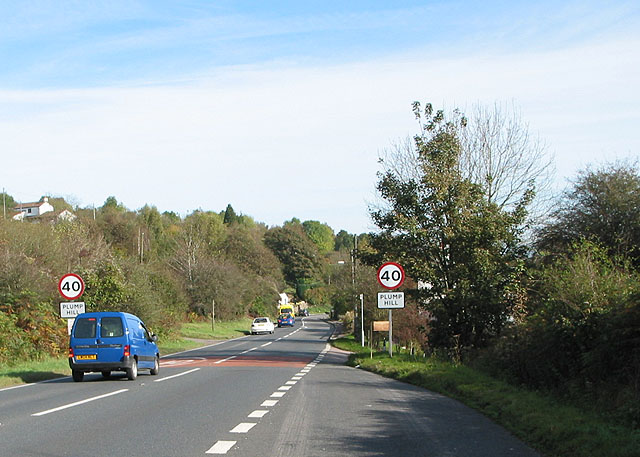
{"x":107,"y":314}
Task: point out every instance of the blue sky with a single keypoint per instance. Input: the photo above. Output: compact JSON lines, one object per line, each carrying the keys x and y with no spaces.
{"x":282,"y":108}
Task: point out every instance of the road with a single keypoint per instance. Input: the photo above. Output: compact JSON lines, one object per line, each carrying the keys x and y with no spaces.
{"x":286,"y":394}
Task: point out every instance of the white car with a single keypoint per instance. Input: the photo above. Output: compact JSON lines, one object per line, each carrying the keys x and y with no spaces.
{"x":262,"y":325}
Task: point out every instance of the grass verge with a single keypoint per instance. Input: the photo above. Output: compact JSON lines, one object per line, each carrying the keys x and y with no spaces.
{"x":555,"y":429}
{"x":34,"y":371}
{"x":191,"y":336}
{"x":320,"y":309}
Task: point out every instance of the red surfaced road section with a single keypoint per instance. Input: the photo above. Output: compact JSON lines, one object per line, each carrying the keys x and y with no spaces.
{"x":239,"y":361}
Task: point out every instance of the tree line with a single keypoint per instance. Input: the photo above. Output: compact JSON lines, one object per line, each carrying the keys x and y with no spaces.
{"x":160,"y":266}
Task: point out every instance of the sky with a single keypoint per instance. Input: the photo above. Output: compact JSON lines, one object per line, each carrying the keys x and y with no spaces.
{"x":282,"y":109}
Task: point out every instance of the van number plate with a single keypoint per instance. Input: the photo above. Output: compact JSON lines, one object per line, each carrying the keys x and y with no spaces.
{"x":86,"y":357}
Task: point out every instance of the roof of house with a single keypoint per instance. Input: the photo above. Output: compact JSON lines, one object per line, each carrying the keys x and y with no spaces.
{"x":37,"y":204}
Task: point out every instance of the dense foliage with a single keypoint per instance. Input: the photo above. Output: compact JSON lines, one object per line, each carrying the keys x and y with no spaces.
{"x":162,"y":267}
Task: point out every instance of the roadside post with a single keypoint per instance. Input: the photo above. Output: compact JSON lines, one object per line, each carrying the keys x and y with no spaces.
{"x":362,"y":319}
{"x":391,"y":276}
{"x":71,"y":287}
{"x":213,"y":315}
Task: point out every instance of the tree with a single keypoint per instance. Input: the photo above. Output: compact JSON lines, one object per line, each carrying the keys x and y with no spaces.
{"x":200,"y":237}
{"x":321,"y":235}
{"x":112,"y":202}
{"x":298,"y":254}
{"x":230,"y":215}
{"x":446,"y":233}
{"x":344,"y":241}
{"x":497,"y":152}
{"x":501,"y":155}
{"x":8,"y":203}
{"x":603,"y":206}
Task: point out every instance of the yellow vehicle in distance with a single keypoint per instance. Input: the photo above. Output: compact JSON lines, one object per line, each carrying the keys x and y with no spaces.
{"x":286,"y":309}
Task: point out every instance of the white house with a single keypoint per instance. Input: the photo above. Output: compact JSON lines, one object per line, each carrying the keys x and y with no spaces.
{"x":32,"y":209}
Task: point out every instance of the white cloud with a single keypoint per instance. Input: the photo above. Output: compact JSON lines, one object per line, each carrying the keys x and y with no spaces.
{"x":280,"y":141}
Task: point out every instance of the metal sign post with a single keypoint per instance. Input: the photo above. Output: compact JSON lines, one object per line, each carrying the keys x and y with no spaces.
{"x":390,"y":333}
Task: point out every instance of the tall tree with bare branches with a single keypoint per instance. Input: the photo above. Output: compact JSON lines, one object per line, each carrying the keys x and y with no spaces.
{"x":498,"y":152}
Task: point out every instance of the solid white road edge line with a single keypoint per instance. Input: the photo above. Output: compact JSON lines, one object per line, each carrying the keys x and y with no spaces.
{"x":18,"y":387}
{"x":221,"y":447}
{"x":176,"y":375}
{"x":71,"y":405}
{"x":243,"y":427}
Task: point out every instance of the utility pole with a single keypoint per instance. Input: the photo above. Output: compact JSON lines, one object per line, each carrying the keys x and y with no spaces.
{"x":4,"y":204}
{"x":353,"y":280}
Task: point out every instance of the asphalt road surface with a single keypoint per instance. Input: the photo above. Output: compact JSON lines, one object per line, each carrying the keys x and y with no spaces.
{"x":286,"y":394}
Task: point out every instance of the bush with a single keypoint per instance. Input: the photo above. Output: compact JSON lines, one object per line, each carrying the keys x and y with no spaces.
{"x":31,"y":332}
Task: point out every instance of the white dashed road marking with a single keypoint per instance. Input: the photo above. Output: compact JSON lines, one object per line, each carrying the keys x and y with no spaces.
{"x":226,"y":360}
{"x":221,"y":447}
{"x":176,"y":375}
{"x":71,"y":405}
{"x":243,"y":427}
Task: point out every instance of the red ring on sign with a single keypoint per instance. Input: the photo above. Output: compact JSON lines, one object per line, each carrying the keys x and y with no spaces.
{"x":401,"y":272}
{"x":71,"y":297}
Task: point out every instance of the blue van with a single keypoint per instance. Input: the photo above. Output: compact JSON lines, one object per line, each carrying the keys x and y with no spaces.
{"x":111,"y":341}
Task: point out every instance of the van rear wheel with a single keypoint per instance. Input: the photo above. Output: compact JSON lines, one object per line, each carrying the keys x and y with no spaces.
{"x":132,"y":373}
{"x":77,"y":375}
{"x":156,"y":367}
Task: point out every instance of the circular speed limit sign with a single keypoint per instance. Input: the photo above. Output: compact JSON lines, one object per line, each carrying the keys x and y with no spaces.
{"x":71,"y":286}
{"x":391,"y":275}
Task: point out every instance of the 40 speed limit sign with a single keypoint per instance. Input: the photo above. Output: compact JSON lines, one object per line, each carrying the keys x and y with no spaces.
{"x":391,"y":275}
{"x":71,"y":286}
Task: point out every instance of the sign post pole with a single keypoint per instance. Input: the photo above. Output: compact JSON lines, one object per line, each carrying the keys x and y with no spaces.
{"x":390,"y":333}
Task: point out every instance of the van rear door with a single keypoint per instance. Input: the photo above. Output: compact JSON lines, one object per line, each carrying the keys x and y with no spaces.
{"x":84,"y":340}
{"x":112,"y":339}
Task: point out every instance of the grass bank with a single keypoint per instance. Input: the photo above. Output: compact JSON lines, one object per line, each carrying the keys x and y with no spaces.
{"x":555,"y":429}
{"x":191,"y":335}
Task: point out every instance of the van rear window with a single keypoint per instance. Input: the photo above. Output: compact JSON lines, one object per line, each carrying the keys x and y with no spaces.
{"x":85,"y":328}
{"x":111,"y":327}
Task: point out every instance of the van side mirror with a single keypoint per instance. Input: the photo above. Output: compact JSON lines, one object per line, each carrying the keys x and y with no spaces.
{"x":154,"y":337}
